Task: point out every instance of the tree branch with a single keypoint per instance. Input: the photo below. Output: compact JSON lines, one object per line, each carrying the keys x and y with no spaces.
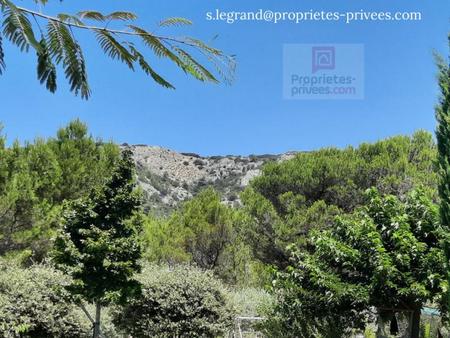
{"x":86,"y":312}
{"x":58,"y":45}
{"x":113,"y":31}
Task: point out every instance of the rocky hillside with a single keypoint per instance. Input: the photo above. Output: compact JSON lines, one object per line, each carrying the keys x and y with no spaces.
{"x":168,"y":177}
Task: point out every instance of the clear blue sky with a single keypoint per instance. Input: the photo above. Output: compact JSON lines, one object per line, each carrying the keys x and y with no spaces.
{"x":250,"y":116}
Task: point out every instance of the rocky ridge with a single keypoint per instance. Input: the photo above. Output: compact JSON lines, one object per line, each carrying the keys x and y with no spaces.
{"x":168,"y":177}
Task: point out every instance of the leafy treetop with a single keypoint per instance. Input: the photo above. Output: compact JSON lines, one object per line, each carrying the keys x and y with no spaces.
{"x":386,"y":255}
{"x":38,"y":177}
{"x":98,"y":245}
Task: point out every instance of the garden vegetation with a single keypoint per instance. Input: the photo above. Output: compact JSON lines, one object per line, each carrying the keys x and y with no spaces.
{"x":326,"y":243}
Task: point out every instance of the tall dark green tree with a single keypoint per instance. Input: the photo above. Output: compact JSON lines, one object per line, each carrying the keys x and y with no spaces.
{"x":98,"y":245}
{"x":443,"y":141}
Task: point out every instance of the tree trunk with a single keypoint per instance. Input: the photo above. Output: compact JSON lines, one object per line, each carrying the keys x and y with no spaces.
{"x":98,"y":309}
{"x":381,"y":326}
{"x":415,"y":323}
{"x":393,"y":327}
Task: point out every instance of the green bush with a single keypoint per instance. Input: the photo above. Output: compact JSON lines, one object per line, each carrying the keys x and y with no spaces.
{"x":177,"y":302}
{"x":30,"y":305}
{"x":369,"y":333}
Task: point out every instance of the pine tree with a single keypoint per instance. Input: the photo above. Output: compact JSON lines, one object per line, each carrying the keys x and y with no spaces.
{"x":98,"y":245}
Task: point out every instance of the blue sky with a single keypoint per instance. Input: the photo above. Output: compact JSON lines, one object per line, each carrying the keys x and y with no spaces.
{"x":251,"y":115}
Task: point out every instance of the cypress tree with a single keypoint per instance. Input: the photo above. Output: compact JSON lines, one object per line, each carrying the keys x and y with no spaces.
{"x":443,"y":141}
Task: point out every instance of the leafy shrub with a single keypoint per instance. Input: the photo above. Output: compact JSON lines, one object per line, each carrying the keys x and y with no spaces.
{"x":199,"y":162}
{"x":160,"y":183}
{"x":369,"y":333}
{"x":178,"y":302}
{"x":30,"y":306}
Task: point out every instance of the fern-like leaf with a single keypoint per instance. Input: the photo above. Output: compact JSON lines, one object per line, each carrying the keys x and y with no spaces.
{"x":46,"y":70}
{"x":72,"y":19}
{"x":124,"y":16}
{"x":181,"y":58}
{"x":158,"y":47}
{"x":203,"y":46}
{"x":149,"y":70}
{"x":80,"y":84}
{"x":91,"y":15}
{"x":225,"y":65}
{"x":113,"y":48}
{"x":2,"y":56}
{"x":195,"y":68}
{"x":17,"y":28}
{"x":55,"y":40}
{"x":63,"y":48}
{"x":175,"y":22}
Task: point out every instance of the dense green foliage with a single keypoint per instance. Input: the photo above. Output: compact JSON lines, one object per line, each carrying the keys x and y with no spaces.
{"x":203,"y":227}
{"x":177,"y":302}
{"x":98,"y":245}
{"x":386,"y":255}
{"x":207,"y":233}
{"x":36,"y":179}
{"x":116,"y":36}
{"x":291,"y":197}
{"x":443,"y":142}
{"x":32,"y":304}
{"x":338,"y":251}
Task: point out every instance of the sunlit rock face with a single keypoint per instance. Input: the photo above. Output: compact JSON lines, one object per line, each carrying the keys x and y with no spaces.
{"x":168,"y":177}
